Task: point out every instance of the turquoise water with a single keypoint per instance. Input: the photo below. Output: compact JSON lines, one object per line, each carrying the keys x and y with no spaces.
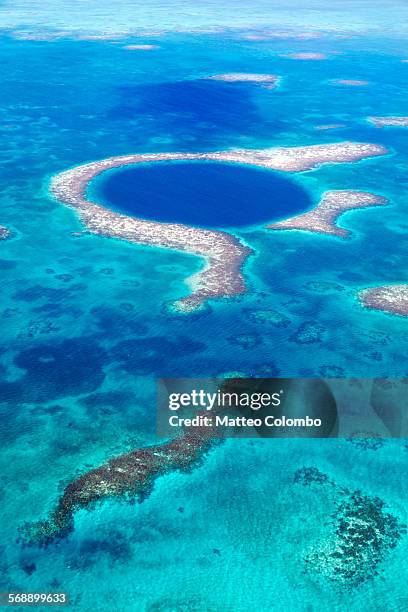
{"x":85,"y":323}
{"x":191,"y":193}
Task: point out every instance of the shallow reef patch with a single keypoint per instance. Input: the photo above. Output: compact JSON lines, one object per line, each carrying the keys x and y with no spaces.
{"x":361,"y":534}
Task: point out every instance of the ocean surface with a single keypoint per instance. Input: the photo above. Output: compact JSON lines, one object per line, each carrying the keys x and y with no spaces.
{"x":86,"y":326}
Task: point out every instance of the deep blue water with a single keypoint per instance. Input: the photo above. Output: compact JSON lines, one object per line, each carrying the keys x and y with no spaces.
{"x":85,"y":323}
{"x":202,"y":194}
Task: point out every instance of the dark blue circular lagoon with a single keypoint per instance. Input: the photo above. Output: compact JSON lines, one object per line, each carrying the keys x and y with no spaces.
{"x":201,"y":194}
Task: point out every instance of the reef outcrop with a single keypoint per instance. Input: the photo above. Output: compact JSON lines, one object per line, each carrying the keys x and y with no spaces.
{"x":387,"y":298}
{"x":272,"y":80}
{"x":305,"y":56}
{"x":323,"y":218}
{"x":388,"y":121}
{"x":351,"y":82}
{"x":140,"y":47}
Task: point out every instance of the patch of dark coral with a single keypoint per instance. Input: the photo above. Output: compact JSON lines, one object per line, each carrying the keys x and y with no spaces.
{"x":364,"y":532}
{"x":311,"y":475}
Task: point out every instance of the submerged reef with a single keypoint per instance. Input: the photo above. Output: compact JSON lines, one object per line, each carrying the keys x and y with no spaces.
{"x":351,"y":82}
{"x":282,"y":35}
{"x":140,"y":47}
{"x":131,"y":474}
{"x":271,"y":317}
{"x":46,"y":34}
{"x":305,"y":56}
{"x":323,"y":286}
{"x":309,"y":332}
{"x":323,"y":218}
{"x":330,"y":126}
{"x":389,"y":121}
{"x":271,"y":80}
{"x":361,"y":533}
{"x":364,"y":534}
{"x":4,"y":233}
{"x":388,"y":298}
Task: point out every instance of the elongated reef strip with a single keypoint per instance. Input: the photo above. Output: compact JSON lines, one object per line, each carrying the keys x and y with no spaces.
{"x":282,"y":35}
{"x":140,"y":47}
{"x":299,"y":159}
{"x":351,"y":82}
{"x":388,"y":298}
{"x":133,"y":473}
{"x":245,"y":77}
{"x":305,"y":56}
{"x":224,"y":254}
{"x":330,"y":126}
{"x":388,"y":121}
{"x":323,"y":218}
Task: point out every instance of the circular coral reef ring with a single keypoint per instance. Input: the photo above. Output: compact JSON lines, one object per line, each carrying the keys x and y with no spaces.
{"x":224,"y":253}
